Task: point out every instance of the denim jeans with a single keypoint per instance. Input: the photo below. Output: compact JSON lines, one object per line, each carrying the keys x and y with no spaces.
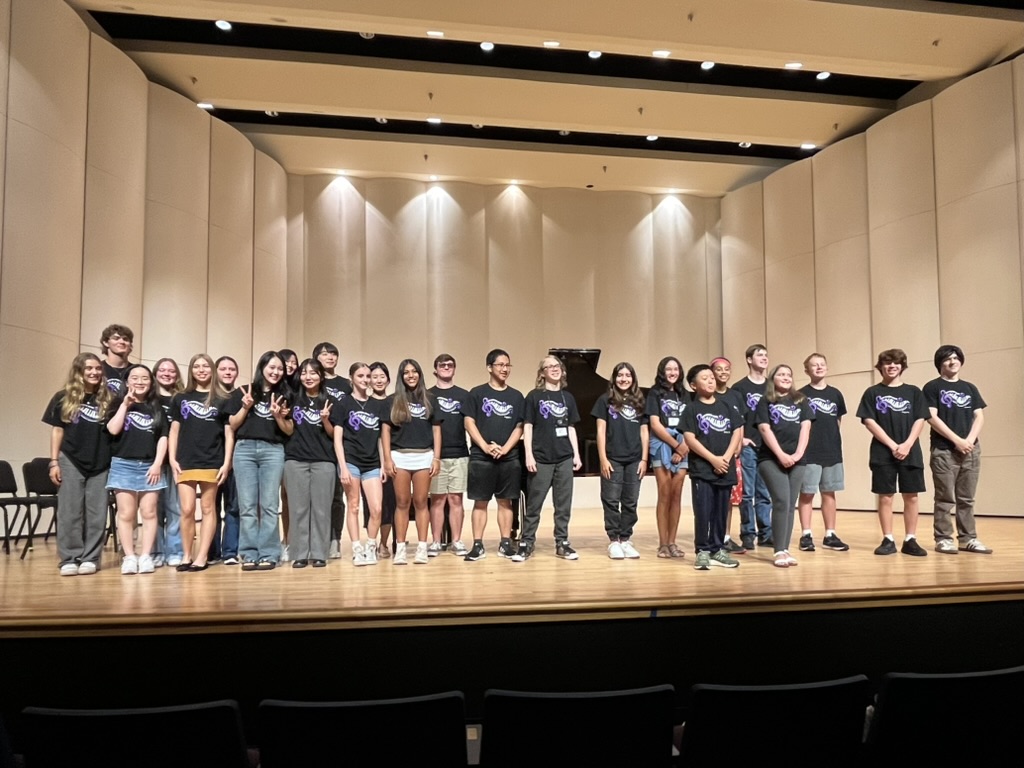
{"x":756,"y":506}
{"x":619,"y":497}
{"x":225,"y":537}
{"x":168,"y":532}
{"x":258,"y":467}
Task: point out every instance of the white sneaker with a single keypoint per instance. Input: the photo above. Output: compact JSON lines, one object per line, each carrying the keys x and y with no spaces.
{"x":129,"y":565}
{"x":69,"y":569}
{"x":434,"y":549}
{"x":335,"y":551}
{"x":173,"y":561}
{"x":87,"y":568}
{"x":370,"y":553}
{"x":629,"y":551}
{"x":358,"y":553}
{"x":146,"y":564}
{"x":946,"y":546}
{"x":158,"y":561}
{"x":423,"y":553}
{"x":975,"y":545}
{"x":458,"y":549}
{"x":615,"y":551}
{"x":399,"y":558}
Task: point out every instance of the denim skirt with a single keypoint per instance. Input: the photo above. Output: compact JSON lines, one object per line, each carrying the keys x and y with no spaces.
{"x":130,"y":475}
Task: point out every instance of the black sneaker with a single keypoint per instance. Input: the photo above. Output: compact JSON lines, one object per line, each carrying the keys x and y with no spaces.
{"x":807,"y":543}
{"x":476,"y":553}
{"x":522,"y":554}
{"x":835,"y":543}
{"x":733,"y":548}
{"x":506,"y":548}
{"x":887,"y":547}
{"x":911,"y":547}
{"x":766,"y":541}
{"x":748,"y":542}
{"x":565,"y":551}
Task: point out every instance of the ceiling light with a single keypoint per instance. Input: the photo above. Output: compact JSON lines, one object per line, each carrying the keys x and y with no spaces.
{"x":381,"y":120}
{"x":563,"y":132}
{"x":487,"y":46}
{"x":808,"y":145}
{"x":478,"y":126}
{"x":706,"y":65}
{"x":435,"y":33}
{"x":823,"y":75}
{"x":433,"y":178}
{"x":594,"y":54}
{"x":661,"y":54}
{"x":652,"y":137}
{"x":794,"y":65}
{"x":513,"y":182}
{"x":270,"y":112}
{"x":673,"y":191}
{"x":366,"y":35}
{"x":221,"y":24}
{"x":551,"y":43}
{"x":204,"y":105}
{"x":744,"y":145}
{"x":434,"y":120}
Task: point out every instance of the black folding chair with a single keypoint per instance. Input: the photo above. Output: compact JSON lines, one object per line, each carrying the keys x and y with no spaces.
{"x":42,"y":494}
{"x":9,"y":499}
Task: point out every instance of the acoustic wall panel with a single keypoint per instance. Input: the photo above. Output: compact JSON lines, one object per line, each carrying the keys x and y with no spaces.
{"x":713,"y":270}
{"x":743,"y":287}
{"x":296,"y":264}
{"x":269,"y":260}
{"x":900,"y":165}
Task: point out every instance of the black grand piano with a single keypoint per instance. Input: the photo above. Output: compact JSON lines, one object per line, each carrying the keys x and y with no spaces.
{"x":586,"y":386}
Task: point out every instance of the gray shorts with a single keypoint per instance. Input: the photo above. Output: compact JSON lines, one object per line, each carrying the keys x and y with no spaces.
{"x":823,"y":479}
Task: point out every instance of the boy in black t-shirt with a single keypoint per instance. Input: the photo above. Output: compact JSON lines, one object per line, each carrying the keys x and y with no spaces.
{"x":894,"y":413}
{"x":956,"y":415}
{"x":116,"y":344}
{"x":449,"y":484}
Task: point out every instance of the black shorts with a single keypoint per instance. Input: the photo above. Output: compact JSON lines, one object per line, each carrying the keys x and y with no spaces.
{"x":887,"y":479}
{"x":497,"y":479}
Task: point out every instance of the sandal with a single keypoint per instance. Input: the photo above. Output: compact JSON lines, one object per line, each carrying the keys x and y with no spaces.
{"x":790,"y":560}
{"x":781,"y":560}
{"x":383,"y":552}
{"x":675,"y":551}
{"x":663,"y":551}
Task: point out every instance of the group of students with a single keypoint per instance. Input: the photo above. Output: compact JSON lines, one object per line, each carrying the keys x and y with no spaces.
{"x":301,"y":440}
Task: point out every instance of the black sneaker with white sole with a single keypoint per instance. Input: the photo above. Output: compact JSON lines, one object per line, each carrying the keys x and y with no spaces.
{"x":476,"y":553}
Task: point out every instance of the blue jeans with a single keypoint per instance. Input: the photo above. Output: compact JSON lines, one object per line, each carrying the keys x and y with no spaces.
{"x":168,"y":532}
{"x":227,"y":500}
{"x":756,"y":507}
{"x":258,"y":467}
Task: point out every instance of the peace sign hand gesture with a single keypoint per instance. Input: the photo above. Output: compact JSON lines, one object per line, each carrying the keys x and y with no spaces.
{"x":247,"y":400}
{"x":278,"y":407}
{"x":325,"y":414}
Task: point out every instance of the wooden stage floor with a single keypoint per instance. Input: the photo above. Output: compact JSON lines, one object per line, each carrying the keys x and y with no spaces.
{"x":35,"y":601}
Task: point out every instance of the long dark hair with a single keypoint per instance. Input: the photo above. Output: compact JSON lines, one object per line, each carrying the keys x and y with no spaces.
{"x":661,"y":382}
{"x":404,"y":397}
{"x":320,"y":400}
{"x":291,"y":380}
{"x":633,"y":396}
{"x":259,"y":384}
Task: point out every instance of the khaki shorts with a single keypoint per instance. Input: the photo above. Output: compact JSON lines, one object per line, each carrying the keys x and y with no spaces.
{"x":452,"y":477}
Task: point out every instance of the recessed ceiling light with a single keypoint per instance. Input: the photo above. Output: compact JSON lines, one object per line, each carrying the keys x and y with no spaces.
{"x":823,"y":75}
{"x":270,"y":112}
{"x":204,"y":105}
{"x":808,"y":145}
{"x":434,"y":120}
{"x":433,"y":177}
{"x":551,"y":43}
{"x":673,"y":191}
{"x":487,"y":46}
{"x":381,"y":120}
{"x":794,"y":65}
{"x":478,"y":126}
{"x":435,"y":33}
{"x":706,"y":65}
{"x":221,"y":24}
{"x":652,"y":137}
{"x":366,"y":35}
{"x":563,"y":132}
{"x":661,"y":54}
{"x":744,"y":145}
{"x":513,"y":182}
{"x":594,"y":54}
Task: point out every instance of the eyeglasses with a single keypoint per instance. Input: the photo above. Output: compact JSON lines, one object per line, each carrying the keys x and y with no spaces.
{"x":550,"y":367}
{"x":446,"y":365}
{"x":503,"y":366}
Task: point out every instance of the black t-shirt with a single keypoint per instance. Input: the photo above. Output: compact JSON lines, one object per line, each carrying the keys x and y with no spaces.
{"x":338,"y":388}
{"x":86,"y":442}
{"x":825,"y":447}
{"x":144,"y":425}
{"x":667,"y":406}
{"x":360,"y":425}
{"x":551,"y":413}
{"x":894,"y":409}
{"x":713,"y":425}
{"x":200,"y":430}
{"x":497,"y":413}
{"x":750,"y":395}
{"x":115,"y":378}
{"x":955,"y":403}
{"x":259,"y":423}
{"x":417,"y":433}
{"x":450,"y":402}
{"x":309,"y":441}
{"x":785,"y":419}
{"x":623,"y":444}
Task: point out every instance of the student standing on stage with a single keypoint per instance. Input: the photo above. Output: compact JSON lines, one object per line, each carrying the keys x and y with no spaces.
{"x":552,"y":453}
{"x":894,"y":413}
{"x":713,"y":430}
{"x":756,"y":506}
{"x":494,"y":422}
{"x":337,"y":388}
{"x":79,"y":460}
{"x":666,"y":402}
{"x":294,"y":387}
{"x":199,"y":446}
{"x":411,"y":446}
{"x":622,"y":442}
{"x":310,"y":468}
{"x":225,"y":538}
{"x":140,"y":428}
{"x":956,"y":415}
{"x":357,"y":446}
{"x":722,"y":368}
{"x":168,"y":550}
{"x":380,"y":380}
{"x":450,"y":483}
{"x":824,"y":472}
{"x":784,"y":418}
{"x":261,"y":417}
{"x":116,"y":343}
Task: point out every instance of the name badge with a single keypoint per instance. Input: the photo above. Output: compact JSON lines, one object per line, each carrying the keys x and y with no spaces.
{"x":561,"y":431}
{"x":673,"y":421}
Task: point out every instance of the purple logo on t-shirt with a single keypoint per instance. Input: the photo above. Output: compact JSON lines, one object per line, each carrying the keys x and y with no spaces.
{"x":886,"y":403}
{"x":137,"y":420}
{"x":492,"y":407}
{"x":753,"y":398}
{"x":672,"y":408}
{"x":953,"y":399}
{"x":86,"y":412}
{"x":628,"y":412}
{"x":447,"y":405}
{"x":358,"y":419}
{"x":712,"y":421}
{"x":417,"y":411}
{"x":200,"y":411}
{"x":783,"y":412}
{"x":550,"y":408}
{"x":821,"y":405}
{"x":303,"y":415}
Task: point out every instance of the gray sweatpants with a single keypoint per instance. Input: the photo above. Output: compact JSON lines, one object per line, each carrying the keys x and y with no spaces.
{"x":81,"y":514}
{"x":310,"y":487}
{"x":784,"y":488}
